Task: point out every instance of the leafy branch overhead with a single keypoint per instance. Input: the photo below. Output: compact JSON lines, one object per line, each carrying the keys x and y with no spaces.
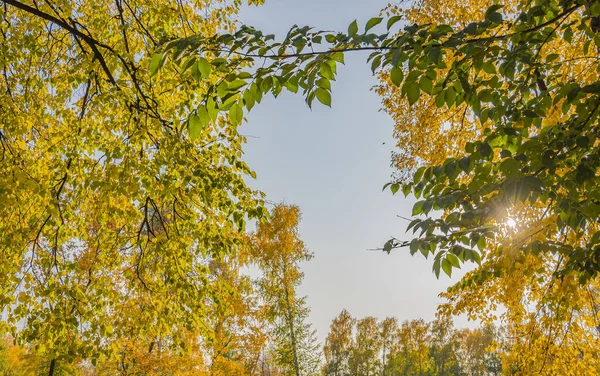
{"x":499,"y":68}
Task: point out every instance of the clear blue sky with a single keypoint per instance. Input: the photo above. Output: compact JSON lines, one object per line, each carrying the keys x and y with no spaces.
{"x":332,"y":163}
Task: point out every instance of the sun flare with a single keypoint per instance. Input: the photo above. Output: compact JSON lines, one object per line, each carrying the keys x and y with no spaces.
{"x":511,"y":223}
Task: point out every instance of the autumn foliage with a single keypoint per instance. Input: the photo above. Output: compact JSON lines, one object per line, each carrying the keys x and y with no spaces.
{"x":125,"y":204}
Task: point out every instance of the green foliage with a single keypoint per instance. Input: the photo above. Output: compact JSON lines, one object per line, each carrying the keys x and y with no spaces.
{"x":527,"y":156}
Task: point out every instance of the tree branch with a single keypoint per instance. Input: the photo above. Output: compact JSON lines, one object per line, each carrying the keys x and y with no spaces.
{"x":94,"y":44}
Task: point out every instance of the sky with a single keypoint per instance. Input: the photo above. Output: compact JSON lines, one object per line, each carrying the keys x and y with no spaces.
{"x":333,"y":163}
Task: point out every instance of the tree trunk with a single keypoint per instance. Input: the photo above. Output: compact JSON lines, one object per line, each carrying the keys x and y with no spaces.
{"x":292,"y":333}
{"x":383,"y":368}
{"x":52,"y":366}
{"x":290,"y":316}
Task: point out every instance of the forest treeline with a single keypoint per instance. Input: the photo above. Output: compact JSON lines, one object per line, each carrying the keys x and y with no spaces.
{"x":386,"y":347}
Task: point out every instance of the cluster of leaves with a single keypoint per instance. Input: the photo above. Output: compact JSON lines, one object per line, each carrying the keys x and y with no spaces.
{"x":496,"y":68}
{"x":521,"y":159}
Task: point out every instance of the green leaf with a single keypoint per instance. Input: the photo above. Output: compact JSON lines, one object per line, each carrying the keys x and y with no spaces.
{"x":450,"y":96}
{"x":492,"y":8}
{"x":470,"y":28}
{"x":436,"y":268}
{"x":338,"y":56}
{"x":353,"y":28}
{"x":495,"y":17}
{"x":194,"y":126}
{"x":204,"y":67}
{"x":372,"y":23}
{"x":465,"y":164}
{"x":326,"y":71}
{"x":426,"y":84}
{"x":470,"y":147}
{"x":387,"y":247}
{"x":451,"y":170}
{"x":510,"y":167}
{"x":485,"y":150}
{"x":187,"y":64}
{"x":323,"y":96}
{"x":236,"y":113}
{"x":427,"y":205}
{"x":211,"y":107}
{"x":396,"y":75}
{"x":488,"y":67}
{"x":481,"y":243}
{"x":453,"y":260}
{"x":392,"y":21}
{"x":440,"y":100}
{"x":394,"y":188}
{"x":324,"y":83}
{"x":447,"y":267}
{"x":485,"y":95}
{"x":476,"y":257}
{"x":376,"y":63}
{"x":249,"y":99}
{"x":413,"y":93}
{"x":414,"y":246}
{"x":236,"y":84}
{"x":244,"y":76}
{"x":434,"y":55}
{"x":418,"y":207}
{"x":155,"y":63}
{"x":419,"y":174}
{"x":203,"y":116}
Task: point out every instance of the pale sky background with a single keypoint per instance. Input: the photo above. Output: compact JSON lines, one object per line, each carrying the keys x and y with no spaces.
{"x":333,"y":165}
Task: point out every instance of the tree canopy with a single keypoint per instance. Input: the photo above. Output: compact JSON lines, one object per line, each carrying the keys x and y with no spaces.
{"x":124,"y":199}
{"x":111,"y":211}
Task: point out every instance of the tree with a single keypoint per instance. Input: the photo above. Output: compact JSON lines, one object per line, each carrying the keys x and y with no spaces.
{"x":481,"y":292}
{"x":388,"y":329}
{"x":445,"y":348}
{"x":474,"y":345}
{"x":239,"y":326}
{"x":411,"y":356}
{"x":338,"y":345}
{"x":366,"y":349}
{"x":110,"y":208}
{"x":425,"y":133}
{"x":278,"y":251}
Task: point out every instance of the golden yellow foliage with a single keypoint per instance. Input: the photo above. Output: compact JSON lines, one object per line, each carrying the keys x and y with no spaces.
{"x":111,"y":211}
{"x":552,"y":320}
